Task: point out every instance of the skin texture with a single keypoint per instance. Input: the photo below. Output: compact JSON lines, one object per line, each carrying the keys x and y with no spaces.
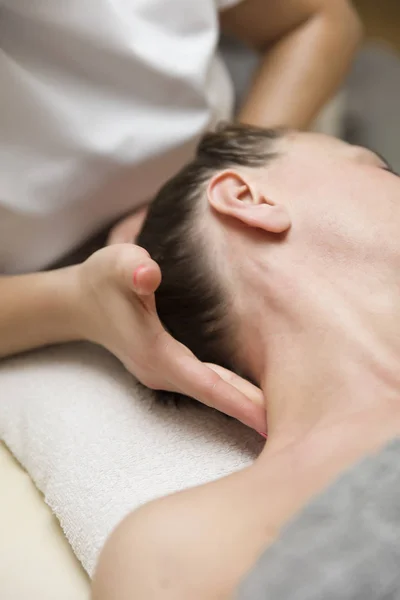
{"x":311,"y":250}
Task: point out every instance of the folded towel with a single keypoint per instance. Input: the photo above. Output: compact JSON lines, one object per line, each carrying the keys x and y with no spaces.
{"x":97,"y":445}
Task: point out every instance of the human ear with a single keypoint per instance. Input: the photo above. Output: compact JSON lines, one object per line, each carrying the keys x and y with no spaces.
{"x":233,"y":194}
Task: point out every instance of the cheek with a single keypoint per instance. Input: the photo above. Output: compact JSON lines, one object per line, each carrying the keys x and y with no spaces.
{"x":358,"y":212}
{"x":343,"y":189}
{"x":373,"y":195}
{"x":325,"y":186}
{"x":307,"y":179}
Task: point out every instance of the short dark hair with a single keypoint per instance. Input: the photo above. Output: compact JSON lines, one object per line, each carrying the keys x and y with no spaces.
{"x":191,"y":302}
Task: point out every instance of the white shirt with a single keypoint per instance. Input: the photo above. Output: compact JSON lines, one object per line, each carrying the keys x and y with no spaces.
{"x":100,"y":102}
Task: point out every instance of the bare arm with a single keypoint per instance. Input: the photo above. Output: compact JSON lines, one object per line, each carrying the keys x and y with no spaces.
{"x":307,"y":48}
{"x":109,"y":300}
{"x":37,"y":310}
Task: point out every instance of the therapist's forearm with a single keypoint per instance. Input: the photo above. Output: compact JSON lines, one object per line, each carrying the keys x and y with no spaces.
{"x":302,"y":69}
{"x":300,"y":74}
{"x":37,"y":310}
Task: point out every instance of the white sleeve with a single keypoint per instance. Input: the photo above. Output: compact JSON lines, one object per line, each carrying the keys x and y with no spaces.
{"x":224,"y":4}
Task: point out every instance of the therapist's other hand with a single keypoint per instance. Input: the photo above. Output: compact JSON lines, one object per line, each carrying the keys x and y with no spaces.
{"x":118,"y":311}
{"x":127,"y":230}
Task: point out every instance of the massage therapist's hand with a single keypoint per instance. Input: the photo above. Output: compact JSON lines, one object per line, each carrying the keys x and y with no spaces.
{"x":118,"y":311}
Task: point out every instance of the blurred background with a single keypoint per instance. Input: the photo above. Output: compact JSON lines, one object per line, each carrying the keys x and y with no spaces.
{"x":372,"y":103}
{"x":381,"y":20}
{"x":367,"y":111}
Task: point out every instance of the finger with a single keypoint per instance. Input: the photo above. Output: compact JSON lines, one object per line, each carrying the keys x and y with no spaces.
{"x":146,"y":278}
{"x":206,"y":385}
{"x":119,"y":235}
{"x":191,"y":377}
{"x":127,"y":230}
{"x":248,"y":389}
{"x":137,"y":269}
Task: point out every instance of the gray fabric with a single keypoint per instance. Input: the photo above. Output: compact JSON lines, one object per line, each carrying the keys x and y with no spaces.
{"x":373,"y":102}
{"x":242,"y":63}
{"x":344,"y":545}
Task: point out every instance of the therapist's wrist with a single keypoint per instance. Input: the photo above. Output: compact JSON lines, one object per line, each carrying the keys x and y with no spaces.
{"x":62,"y":306}
{"x":39,"y":309}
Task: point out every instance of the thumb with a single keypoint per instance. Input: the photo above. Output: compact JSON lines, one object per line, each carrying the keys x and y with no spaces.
{"x":139,"y":272}
{"x":146,"y":278}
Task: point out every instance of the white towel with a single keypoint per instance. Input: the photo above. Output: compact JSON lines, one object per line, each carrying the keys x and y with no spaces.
{"x":97,"y":445}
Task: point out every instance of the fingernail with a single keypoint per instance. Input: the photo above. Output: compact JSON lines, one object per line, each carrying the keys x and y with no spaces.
{"x":264,"y":435}
{"x":136,"y":273}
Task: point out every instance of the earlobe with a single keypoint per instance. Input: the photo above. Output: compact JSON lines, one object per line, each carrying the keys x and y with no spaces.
{"x":230,"y":194}
{"x":270,"y":217}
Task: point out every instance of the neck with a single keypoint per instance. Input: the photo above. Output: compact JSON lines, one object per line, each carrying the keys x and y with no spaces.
{"x":331,"y":359}
{"x":332,"y":392}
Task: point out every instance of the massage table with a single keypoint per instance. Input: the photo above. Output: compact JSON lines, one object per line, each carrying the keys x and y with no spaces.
{"x":36,"y":561}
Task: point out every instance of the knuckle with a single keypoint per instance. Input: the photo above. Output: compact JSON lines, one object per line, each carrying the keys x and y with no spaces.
{"x":141,"y":254}
{"x":212,"y":381}
{"x":143,"y":251}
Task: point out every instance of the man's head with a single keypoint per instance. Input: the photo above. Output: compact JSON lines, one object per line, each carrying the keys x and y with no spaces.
{"x":267,"y":225}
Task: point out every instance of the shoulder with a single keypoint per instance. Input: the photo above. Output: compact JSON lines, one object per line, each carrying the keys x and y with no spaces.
{"x":146,"y":557}
{"x":180,"y":546}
